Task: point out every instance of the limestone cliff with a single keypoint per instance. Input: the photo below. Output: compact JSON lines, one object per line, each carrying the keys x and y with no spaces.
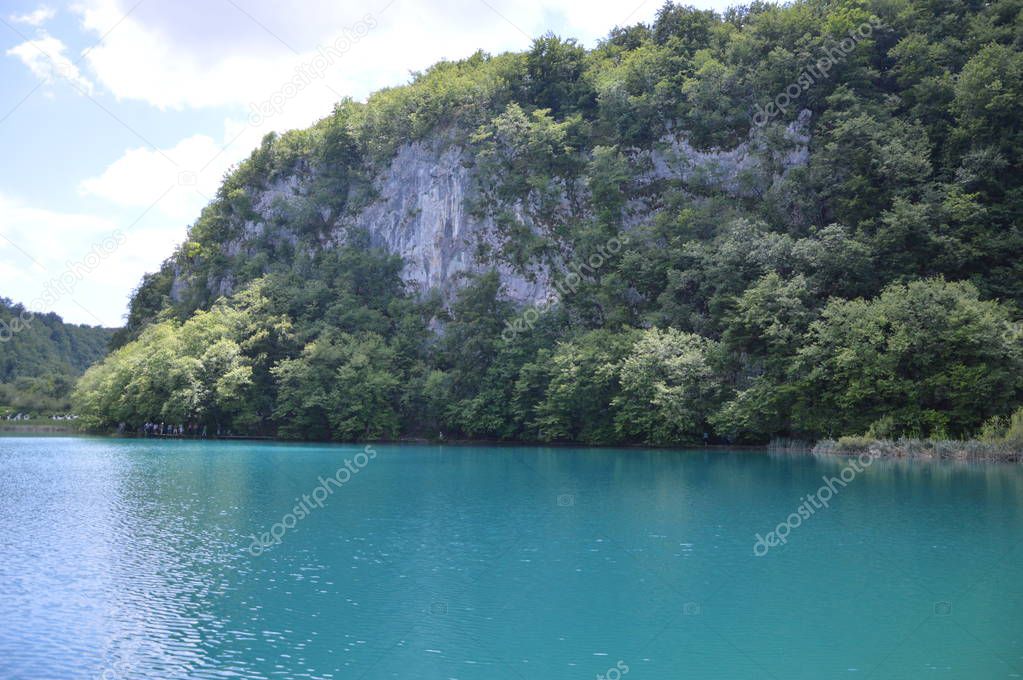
{"x":419,"y":206}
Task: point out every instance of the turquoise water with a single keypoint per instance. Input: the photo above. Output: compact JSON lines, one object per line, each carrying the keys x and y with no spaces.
{"x":134,"y":559}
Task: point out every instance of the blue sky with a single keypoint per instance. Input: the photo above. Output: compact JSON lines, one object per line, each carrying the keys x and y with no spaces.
{"x":118,"y":118}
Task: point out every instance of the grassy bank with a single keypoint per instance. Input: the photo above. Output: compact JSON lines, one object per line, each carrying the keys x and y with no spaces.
{"x":928,"y":449}
{"x":39,"y":425}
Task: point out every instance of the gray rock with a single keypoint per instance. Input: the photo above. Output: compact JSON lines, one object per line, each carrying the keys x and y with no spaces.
{"x":420,"y":209}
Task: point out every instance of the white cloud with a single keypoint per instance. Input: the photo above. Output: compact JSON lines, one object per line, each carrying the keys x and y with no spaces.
{"x":141,"y":61}
{"x":38,"y":245}
{"x":226,"y":60}
{"x":37,"y":234}
{"x":37,"y":17}
{"x":177,"y":181}
{"x":162,"y":55}
{"x":232,"y":57}
{"x":45,"y":58}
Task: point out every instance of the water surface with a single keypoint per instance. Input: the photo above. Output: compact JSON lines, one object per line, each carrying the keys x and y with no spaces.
{"x":134,"y":559}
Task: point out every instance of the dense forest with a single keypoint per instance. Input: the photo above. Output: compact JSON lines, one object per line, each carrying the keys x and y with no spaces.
{"x":843,"y":259}
{"x":41,"y":357}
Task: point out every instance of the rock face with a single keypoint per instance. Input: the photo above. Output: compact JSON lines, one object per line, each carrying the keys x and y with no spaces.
{"x":422,"y":214}
{"x":422,"y":197}
{"x":730,"y":170}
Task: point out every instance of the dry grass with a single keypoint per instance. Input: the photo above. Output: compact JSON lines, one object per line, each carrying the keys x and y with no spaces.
{"x":932,"y":449}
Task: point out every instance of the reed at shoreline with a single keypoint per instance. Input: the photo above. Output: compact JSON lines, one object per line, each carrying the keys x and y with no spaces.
{"x":924,"y":449}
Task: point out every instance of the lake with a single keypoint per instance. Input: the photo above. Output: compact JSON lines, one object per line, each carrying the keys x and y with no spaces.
{"x":177,"y":559}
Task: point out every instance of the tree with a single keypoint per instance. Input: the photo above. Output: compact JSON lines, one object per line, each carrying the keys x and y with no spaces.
{"x":988,"y":98}
{"x":930,"y":356}
{"x":668,"y":388}
{"x":553,"y":70}
{"x":578,"y":403}
{"x":342,"y":387}
{"x":764,"y":330}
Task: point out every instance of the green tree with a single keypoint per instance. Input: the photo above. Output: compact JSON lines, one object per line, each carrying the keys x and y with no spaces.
{"x":668,"y":388}
{"x":553,"y":75}
{"x":578,"y":403}
{"x":342,"y":387}
{"x":930,"y":355}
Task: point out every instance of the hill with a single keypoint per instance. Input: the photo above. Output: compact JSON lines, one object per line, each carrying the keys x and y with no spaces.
{"x":799,"y":220}
{"x":41,"y":357}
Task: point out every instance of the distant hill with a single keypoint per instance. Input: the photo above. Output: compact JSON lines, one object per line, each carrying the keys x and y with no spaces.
{"x":41,"y":357}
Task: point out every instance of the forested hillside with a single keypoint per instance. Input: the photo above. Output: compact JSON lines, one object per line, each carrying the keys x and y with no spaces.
{"x":41,"y":357}
{"x":801,"y":220}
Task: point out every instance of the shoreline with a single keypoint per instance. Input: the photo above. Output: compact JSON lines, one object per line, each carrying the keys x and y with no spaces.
{"x":497,"y":443}
{"x":972,"y":451}
{"x":962,"y":451}
{"x":39,"y":428}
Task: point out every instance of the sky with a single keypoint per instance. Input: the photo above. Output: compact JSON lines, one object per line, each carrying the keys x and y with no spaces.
{"x":119,"y":118}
